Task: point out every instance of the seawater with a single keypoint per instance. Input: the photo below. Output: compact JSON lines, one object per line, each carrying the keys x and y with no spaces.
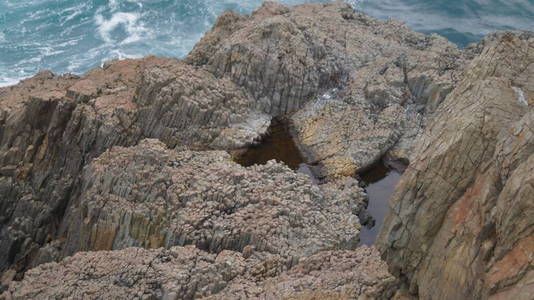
{"x":77,"y":35}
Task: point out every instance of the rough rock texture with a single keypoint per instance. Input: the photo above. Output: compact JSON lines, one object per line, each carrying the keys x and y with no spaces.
{"x":461,"y":223}
{"x":389,"y":76}
{"x":399,"y":77}
{"x":51,"y":126}
{"x":245,"y":71}
{"x":124,"y":156}
{"x":148,"y":196}
{"x":189,"y":273}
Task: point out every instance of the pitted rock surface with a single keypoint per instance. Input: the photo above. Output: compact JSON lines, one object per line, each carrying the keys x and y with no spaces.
{"x":148,"y":196}
{"x":387,"y":77}
{"x":189,"y":273}
{"x":52,"y":126}
{"x":111,"y":160}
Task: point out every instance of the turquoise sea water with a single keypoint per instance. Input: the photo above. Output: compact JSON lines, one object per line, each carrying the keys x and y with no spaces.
{"x":77,"y":35}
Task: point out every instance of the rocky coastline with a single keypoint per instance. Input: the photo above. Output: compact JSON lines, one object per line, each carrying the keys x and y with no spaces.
{"x":124,"y":183}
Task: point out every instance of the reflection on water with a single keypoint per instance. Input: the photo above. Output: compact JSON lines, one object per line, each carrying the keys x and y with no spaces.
{"x":278,"y":145}
{"x":380,"y":183}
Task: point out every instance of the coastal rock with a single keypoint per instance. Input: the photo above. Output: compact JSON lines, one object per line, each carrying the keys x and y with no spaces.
{"x":279,"y":54}
{"x":387,"y":78}
{"x":461,"y":225}
{"x":52,"y":126}
{"x":132,"y":157}
{"x":149,"y":196}
{"x":189,"y":273}
{"x":401,"y":78}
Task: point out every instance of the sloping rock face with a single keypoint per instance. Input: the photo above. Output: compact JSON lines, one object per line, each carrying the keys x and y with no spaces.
{"x":189,"y":273}
{"x":386,"y":77}
{"x":148,"y":196}
{"x":51,"y":126}
{"x":461,"y":223}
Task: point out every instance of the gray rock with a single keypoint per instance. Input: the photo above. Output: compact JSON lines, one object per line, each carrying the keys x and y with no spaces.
{"x":461,"y":222}
{"x":387,"y":76}
{"x":189,"y":273}
{"x":148,"y":196}
{"x":52,"y":126}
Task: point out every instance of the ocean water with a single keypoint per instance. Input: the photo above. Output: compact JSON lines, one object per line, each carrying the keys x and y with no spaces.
{"x":77,"y":35}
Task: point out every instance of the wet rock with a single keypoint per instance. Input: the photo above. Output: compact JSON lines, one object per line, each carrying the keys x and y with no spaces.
{"x":189,"y":273}
{"x":460,"y":225}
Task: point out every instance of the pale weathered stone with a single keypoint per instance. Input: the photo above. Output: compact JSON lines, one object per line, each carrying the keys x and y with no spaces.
{"x":52,"y":126}
{"x":387,"y":77}
{"x":189,"y":273}
{"x":148,"y":196}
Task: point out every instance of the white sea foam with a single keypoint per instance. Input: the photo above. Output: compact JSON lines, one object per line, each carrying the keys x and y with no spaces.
{"x":73,"y":13}
{"x":130,"y":22}
{"x":113,"y":5}
{"x":5,"y":81}
{"x":118,"y":54}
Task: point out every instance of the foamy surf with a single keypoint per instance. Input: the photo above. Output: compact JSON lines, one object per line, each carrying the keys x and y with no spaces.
{"x":79,"y":35}
{"x":129,"y":22}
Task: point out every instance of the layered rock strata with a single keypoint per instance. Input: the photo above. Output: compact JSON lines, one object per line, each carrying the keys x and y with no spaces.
{"x":385,"y":77}
{"x":461,"y":223}
{"x":52,"y":126}
{"x":133,"y":155}
{"x":148,"y":196}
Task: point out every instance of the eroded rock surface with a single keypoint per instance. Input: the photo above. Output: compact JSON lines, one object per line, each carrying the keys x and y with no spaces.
{"x":52,"y":126}
{"x":189,"y":273}
{"x":387,"y":77}
{"x":130,"y":155}
{"x":461,"y":225}
{"x":148,"y":196}
{"x":245,"y":71}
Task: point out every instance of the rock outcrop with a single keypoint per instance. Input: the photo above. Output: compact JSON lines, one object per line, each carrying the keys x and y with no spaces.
{"x":148,"y":196}
{"x":247,"y":70}
{"x":461,"y":223}
{"x":52,"y":126}
{"x":130,"y":162}
{"x":387,"y":77}
{"x":189,"y":273}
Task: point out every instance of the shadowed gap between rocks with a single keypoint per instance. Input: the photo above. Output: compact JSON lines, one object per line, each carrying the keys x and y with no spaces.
{"x":379,"y":183}
{"x":279,"y":145}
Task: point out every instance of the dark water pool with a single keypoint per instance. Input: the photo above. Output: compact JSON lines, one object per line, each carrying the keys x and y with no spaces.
{"x":279,"y":145}
{"x":379,"y":183}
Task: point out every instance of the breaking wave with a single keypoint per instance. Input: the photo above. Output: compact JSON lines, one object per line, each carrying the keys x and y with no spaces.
{"x":77,"y":35}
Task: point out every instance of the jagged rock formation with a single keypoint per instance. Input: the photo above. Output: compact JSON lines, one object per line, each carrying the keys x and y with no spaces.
{"x":133,"y":155}
{"x":389,"y":76}
{"x":52,"y":126}
{"x":148,"y":196}
{"x":189,"y":273}
{"x":461,"y":223}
